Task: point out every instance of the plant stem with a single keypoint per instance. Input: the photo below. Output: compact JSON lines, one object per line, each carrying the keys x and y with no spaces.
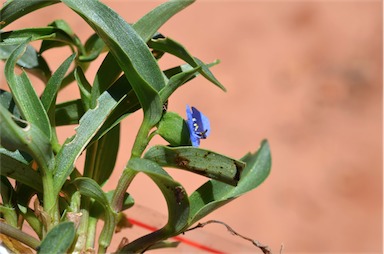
{"x":141,"y":140}
{"x":92,"y":223}
{"x":126,"y":178}
{"x":122,"y":186}
{"x":50,"y":201}
{"x":141,"y":244}
{"x":19,"y":235}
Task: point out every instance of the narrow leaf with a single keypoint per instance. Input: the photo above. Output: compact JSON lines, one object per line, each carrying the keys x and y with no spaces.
{"x":69,"y":112}
{"x":12,"y":10}
{"x":59,"y":239}
{"x":214,"y":194}
{"x":147,"y":26}
{"x":172,"y":47}
{"x":88,"y":187}
{"x":174,"y":129}
{"x":24,"y":94}
{"x":177,"y":203}
{"x":199,"y":161}
{"x":13,"y":166}
{"x":17,"y":134}
{"x":130,"y":51}
{"x":30,"y":61}
{"x":89,"y":125}
{"x":50,"y":92}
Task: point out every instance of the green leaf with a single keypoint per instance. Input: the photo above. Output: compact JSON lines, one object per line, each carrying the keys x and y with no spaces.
{"x":214,"y":194}
{"x":130,"y":51}
{"x":7,"y":101}
{"x":88,"y":187}
{"x":97,"y":209}
{"x":59,"y":239}
{"x":12,"y":10}
{"x":17,"y":134}
{"x":89,"y":125}
{"x":176,"y":81}
{"x":147,"y":26}
{"x":69,"y":112}
{"x":174,"y":129}
{"x":6,"y":190}
{"x":64,"y":31}
{"x":34,"y":34}
{"x":48,"y":97}
{"x":177,"y":202}
{"x":84,"y":87}
{"x":106,"y":75}
{"x":24,"y":94}
{"x":94,"y":46}
{"x":14,"y":166}
{"x":30,"y":61}
{"x":172,"y":47}
{"x":199,"y":161}
{"x":106,"y":155}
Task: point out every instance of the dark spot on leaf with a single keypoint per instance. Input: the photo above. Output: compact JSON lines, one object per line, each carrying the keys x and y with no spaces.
{"x":181,"y":161}
{"x":206,"y":155}
{"x":179,"y":194}
{"x":239,"y":169}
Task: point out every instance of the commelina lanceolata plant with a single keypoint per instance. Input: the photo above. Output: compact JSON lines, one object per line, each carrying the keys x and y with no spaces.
{"x":43,"y":187}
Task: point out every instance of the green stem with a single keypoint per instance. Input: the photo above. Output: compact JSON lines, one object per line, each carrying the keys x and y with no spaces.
{"x":19,"y":235}
{"x":92,"y":223}
{"x":125,"y":180}
{"x":50,"y":201}
{"x":122,"y":186}
{"x":141,"y":140}
{"x":141,"y":244}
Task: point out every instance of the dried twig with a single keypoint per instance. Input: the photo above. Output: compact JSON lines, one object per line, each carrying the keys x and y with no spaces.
{"x":264,"y":248}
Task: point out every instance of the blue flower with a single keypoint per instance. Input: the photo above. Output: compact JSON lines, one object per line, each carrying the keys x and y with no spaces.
{"x":198,"y":124}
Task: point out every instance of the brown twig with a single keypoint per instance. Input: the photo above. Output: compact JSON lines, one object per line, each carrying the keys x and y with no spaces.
{"x":264,"y":248}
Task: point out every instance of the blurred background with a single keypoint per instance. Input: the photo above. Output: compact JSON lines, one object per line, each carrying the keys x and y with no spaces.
{"x":307,"y":76}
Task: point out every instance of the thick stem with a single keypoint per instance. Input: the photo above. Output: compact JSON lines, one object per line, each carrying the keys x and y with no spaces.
{"x":19,"y":235}
{"x":122,"y":186}
{"x":50,"y":200}
{"x":141,"y":244}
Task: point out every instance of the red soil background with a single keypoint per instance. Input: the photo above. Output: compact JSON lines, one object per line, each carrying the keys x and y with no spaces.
{"x":307,"y":76}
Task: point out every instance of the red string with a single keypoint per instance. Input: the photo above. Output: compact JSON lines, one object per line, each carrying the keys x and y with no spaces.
{"x":178,"y":238}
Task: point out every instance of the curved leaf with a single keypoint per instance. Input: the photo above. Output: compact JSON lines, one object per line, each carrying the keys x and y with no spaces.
{"x":170,"y":46}
{"x":31,"y":61}
{"x":51,"y":89}
{"x":106,"y":155}
{"x":88,"y":187}
{"x":17,"y":134}
{"x":178,"y":80}
{"x":173,"y":128}
{"x":38,"y":33}
{"x":59,"y":239}
{"x":24,"y":94}
{"x":12,"y":10}
{"x":199,"y":161}
{"x":94,"y":46}
{"x":177,"y":202}
{"x":14,"y":166}
{"x":89,"y":125}
{"x":214,"y":194}
{"x":69,"y":112}
{"x":147,"y":26}
{"x":107,"y":73}
{"x":130,"y":51}
{"x":7,"y":101}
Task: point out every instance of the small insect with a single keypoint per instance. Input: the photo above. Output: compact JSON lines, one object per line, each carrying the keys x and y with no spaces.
{"x":198,"y":125}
